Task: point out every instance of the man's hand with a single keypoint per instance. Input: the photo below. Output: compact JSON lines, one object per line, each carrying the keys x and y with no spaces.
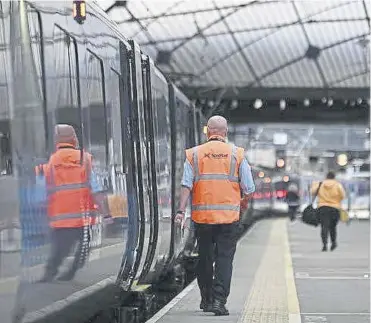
{"x":179,"y":217}
{"x":245,"y":202}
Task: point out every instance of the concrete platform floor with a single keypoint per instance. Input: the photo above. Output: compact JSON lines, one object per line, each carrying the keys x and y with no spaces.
{"x":281,"y":275}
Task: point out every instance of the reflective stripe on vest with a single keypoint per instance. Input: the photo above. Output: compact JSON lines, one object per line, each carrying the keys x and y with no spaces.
{"x":217,"y":207}
{"x":66,"y":187}
{"x":89,"y":214}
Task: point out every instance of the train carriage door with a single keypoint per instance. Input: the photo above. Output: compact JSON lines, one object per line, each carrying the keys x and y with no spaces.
{"x":140,"y":157}
{"x":160,"y":127}
{"x":151,"y":170}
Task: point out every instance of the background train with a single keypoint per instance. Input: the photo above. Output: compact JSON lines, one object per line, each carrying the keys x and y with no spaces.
{"x":272,"y":187}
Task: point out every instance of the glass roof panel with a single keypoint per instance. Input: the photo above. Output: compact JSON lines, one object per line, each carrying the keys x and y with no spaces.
{"x":218,"y":27}
{"x":172,"y":27}
{"x":349,"y":10}
{"x":277,"y":49}
{"x":267,"y":35}
{"x":260,"y":15}
{"x":303,"y":72}
{"x":342,"y":61}
{"x":321,"y":37}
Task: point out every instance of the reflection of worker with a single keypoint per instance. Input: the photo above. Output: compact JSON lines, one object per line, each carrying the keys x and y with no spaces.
{"x":330,"y":195}
{"x":216,"y":173}
{"x":71,"y":208}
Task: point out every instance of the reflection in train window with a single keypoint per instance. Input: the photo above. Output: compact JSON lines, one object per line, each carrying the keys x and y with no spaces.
{"x":27,"y":74}
{"x":95,"y":114}
{"x":66,"y":81}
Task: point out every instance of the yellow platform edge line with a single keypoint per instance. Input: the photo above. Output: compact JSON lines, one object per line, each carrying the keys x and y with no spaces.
{"x":292,"y":295}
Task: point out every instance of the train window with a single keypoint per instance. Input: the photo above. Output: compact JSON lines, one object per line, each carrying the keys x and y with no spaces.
{"x":66,"y":81}
{"x":5,"y":153}
{"x":114,"y":87}
{"x":96,"y":113}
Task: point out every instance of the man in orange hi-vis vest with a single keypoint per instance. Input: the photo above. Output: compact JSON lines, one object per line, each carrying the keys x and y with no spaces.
{"x":71,"y":202}
{"x":217,"y":174}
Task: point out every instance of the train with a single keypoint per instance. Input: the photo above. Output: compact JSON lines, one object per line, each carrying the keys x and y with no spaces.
{"x":136,"y":124}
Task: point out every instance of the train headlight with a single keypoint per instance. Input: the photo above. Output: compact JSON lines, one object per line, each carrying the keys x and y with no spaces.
{"x":79,"y":11}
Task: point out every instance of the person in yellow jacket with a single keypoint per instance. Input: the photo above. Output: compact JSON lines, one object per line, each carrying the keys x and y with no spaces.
{"x":330,"y":195}
{"x":217,"y":174}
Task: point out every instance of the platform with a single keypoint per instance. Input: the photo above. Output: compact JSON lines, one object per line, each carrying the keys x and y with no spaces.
{"x":281,"y":276}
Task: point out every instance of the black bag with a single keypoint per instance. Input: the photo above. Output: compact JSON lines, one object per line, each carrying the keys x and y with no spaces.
{"x":310,"y":214}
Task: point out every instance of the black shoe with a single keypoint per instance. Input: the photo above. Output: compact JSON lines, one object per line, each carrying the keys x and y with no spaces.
{"x":219,"y":308}
{"x":47,"y":278}
{"x":206,"y":306}
{"x":18,"y":315}
{"x":333,"y":246}
{"x":66,"y":277}
{"x":324,"y":248}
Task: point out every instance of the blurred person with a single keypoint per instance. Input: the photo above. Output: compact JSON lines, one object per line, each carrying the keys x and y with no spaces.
{"x":330,"y":195}
{"x":293,"y":200}
{"x":216,"y":173}
{"x":72,"y":195}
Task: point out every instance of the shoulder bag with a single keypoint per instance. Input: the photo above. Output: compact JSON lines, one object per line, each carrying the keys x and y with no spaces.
{"x":310,"y":214}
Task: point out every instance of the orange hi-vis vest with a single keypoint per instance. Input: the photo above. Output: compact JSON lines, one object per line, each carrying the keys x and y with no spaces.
{"x":216,"y":193}
{"x":70,"y":200}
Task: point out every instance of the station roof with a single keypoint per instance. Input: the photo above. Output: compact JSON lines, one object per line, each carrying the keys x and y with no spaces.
{"x":244,"y":44}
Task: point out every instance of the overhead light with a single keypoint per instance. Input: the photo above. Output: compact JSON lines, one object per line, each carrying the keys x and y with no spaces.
{"x":280,"y":163}
{"x":367,"y":130}
{"x":210,"y":103}
{"x":359,"y":101}
{"x":234,"y":104}
{"x":330,"y":102}
{"x":261,"y":174}
{"x":286,"y":178}
{"x":324,"y":100}
{"x":306,"y":102}
{"x":258,"y":104}
{"x":342,"y":160}
{"x":282,"y":105}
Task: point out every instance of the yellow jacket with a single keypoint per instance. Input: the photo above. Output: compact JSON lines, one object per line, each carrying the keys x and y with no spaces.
{"x":330,"y":194}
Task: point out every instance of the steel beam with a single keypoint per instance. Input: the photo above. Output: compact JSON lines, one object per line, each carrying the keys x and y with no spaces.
{"x":277,"y":93}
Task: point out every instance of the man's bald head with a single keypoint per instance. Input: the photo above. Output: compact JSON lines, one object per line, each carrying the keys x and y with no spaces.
{"x":217,"y":126}
{"x":65,"y":134}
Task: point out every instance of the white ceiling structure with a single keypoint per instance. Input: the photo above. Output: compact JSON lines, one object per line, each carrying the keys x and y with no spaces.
{"x":252,"y":44}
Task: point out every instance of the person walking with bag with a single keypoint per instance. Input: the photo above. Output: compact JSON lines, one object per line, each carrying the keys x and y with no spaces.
{"x":330,"y":194}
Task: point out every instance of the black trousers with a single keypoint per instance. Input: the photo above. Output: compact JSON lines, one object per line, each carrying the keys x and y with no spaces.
{"x":216,"y":244}
{"x":292,"y":211}
{"x":329,"y":217}
{"x":62,"y":242}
